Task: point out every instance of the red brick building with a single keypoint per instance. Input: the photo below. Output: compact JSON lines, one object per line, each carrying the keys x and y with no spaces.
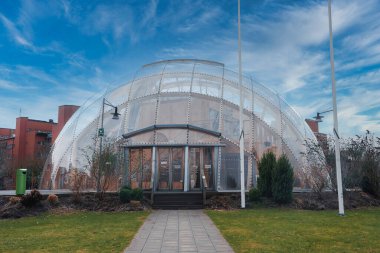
{"x":64,"y":114}
{"x":28,"y":145}
{"x":321,"y":137}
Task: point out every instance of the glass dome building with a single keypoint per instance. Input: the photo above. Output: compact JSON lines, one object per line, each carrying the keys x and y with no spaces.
{"x":179,"y":119}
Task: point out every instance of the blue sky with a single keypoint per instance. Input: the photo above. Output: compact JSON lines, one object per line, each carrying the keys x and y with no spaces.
{"x":61,"y":52}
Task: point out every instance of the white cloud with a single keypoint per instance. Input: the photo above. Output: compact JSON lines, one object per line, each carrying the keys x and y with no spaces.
{"x":197,"y":22}
{"x":7,"y":85}
{"x":15,"y":33}
{"x":284,"y":51}
{"x":11,"y":86}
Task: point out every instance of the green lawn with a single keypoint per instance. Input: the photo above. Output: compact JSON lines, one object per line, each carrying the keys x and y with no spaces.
{"x":285,"y":230}
{"x":77,"y":232}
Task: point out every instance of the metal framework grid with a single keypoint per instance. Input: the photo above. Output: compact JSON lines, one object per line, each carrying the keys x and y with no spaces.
{"x":197,"y":93}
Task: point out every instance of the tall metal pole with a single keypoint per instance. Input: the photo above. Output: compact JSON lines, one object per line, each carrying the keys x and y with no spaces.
{"x":100,"y":147}
{"x":336,"y":135}
{"x":242,"y":180}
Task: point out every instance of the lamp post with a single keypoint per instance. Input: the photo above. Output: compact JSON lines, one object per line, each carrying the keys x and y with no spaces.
{"x":336,"y":135}
{"x":241,"y":139}
{"x":115,"y":116}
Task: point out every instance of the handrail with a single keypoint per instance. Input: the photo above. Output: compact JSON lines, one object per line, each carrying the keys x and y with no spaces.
{"x":204,"y":186}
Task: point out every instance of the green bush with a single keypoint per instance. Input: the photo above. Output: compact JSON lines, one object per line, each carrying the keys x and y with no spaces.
{"x":125,"y":195}
{"x":266,"y":167}
{"x":126,"y":187}
{"x":137,"y":194}
{"x":254,"y":194}
{"x":282,"y":181}
{"x":370,"y":182}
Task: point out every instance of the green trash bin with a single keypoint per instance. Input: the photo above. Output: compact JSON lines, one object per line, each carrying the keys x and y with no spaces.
{"x":20,"y":181}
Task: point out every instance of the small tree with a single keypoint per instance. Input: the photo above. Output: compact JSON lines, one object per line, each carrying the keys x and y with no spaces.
{"x":266,"y":167}
{"x":282,"y":181}
{"x":370,"y":181}
{"x":105,"y":167}
{"x":316,"y":172}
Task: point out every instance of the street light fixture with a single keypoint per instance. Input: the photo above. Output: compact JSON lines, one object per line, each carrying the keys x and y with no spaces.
{"x":115,"y":116}
{"x":319,"y":117}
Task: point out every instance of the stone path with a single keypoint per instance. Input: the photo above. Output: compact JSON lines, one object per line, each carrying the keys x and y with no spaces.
{"x":178,"y":231}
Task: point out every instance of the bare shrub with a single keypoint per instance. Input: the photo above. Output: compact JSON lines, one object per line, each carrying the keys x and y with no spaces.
{"x":52,"y":199}
{"x":77,"y":183}
{"x":14,"y":200}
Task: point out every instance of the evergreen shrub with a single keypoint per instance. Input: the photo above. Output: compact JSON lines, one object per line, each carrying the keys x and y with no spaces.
{"x":254,"y":194}
{"x":266,"y":167}
{"x":282,"y":181}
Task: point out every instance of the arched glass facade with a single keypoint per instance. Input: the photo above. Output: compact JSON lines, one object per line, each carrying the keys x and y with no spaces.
{"x":179,"y":119}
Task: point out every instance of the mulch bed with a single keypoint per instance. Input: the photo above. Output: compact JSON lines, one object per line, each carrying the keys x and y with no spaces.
{"x":111,"y":203}
{"x":329,"y":200}
{"x":306,"y":201}
{"x":68,"y":203}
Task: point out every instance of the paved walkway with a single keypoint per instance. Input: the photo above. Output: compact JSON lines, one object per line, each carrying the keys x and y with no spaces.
{"x":178,"y":231}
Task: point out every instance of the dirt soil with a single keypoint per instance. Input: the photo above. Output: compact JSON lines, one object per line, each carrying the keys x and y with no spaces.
{"x":307,"y":201}
{"x":67,"y":203}
{"x":329,"y":200}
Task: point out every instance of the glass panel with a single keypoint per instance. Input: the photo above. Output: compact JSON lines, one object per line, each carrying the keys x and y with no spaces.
{"x":268,"y":113}
{"x":179,"y":67}
{"x":266,"y":139}
{"x":134,"y":168}
{"x":231,"y":92}
{"x":208,"y":166}
{"x":231,"y":165}
{"x":172,"y":136}
{"x":177,"y":168}
{"x":230,"y":168}
{"x":204,"y":112}
{"x":141,"y":114}
{"x":231,"y":123}
{"x":119,"y":95}
{"x":194,"y":165}
{"x":202,"y":138}
{"x":211,"y":70}
{"x":163,"y":168}
{"x":172,"y":109}
{"x":147,"y":168}
{"x":175,"y":82}
{"x":141,"y":139}
{"x":206,"y":85}
{"x":248,"y":132}
{"x":145,"y":86}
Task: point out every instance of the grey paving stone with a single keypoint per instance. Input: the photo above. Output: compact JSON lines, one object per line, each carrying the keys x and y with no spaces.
{"x":178,"y":231}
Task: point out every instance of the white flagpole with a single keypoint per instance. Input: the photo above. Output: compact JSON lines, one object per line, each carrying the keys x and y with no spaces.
{"x":336,"y":135}
{"x":242,"y":180}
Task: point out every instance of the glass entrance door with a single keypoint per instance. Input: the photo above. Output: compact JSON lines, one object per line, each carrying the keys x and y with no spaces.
{"x":201,"y":158}
{"x":194,"y":167}
{"x":140,"y":168}
{"x":170,"y":169}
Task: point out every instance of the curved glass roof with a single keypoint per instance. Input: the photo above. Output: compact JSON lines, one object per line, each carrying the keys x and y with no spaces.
{"x":199,"y":93}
